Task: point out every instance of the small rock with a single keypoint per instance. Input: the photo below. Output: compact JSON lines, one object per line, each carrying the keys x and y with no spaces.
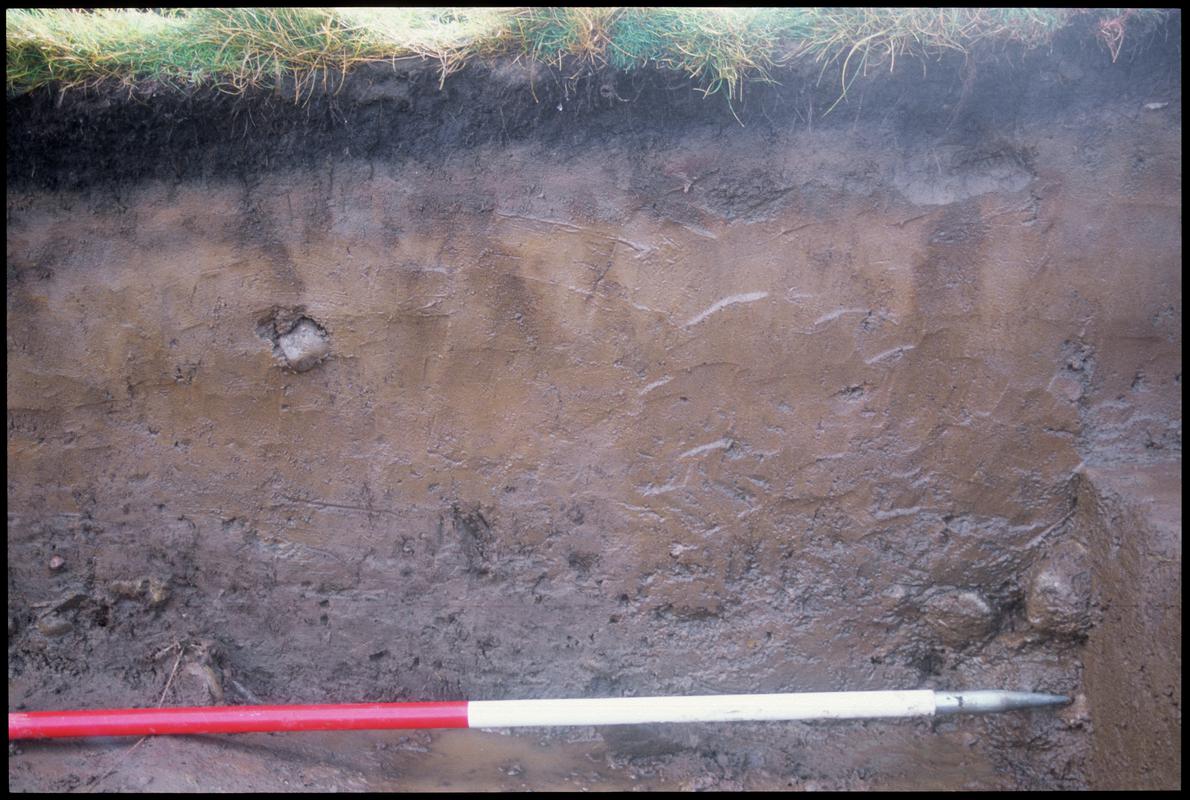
{"x":1077,"y":713}
{"x":128,"y":589}
{"x":54,"y":625}
{"x":153,"y":591}
{"x":158,"y":593}
{"x":12,"y":625}
{"x":1059,"y":596}
{"x":56,"y":563}
{"x":206,"y":683}
{"x":305,"y":346}
{"x":200,"y":681}
{"x":958,"y":617}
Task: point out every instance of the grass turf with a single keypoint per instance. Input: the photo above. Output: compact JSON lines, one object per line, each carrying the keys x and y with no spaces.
{"x":235,"y":49}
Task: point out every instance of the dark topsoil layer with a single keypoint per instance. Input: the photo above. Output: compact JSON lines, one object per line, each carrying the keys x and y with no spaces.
{"x":87,"y":138}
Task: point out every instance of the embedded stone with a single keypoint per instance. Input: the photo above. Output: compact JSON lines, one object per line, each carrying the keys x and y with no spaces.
{"x":54,"y":625}
{"x":128,"y":589}
{"x":305,"y":346}
{"x":157,"y":593}
{"x":958,"y":617}
{"x":1058,"y":600}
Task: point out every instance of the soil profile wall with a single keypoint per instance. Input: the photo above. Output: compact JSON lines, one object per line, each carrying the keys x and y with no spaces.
{"x":740,"y":409}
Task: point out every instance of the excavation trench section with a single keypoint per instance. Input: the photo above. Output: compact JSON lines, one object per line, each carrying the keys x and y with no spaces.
{"x":514,"y":422}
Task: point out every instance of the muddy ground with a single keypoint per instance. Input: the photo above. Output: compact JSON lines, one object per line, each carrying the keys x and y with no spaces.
{"x":522,"y":388}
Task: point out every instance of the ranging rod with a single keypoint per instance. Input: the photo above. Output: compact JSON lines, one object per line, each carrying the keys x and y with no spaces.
{"x":517,"y":713}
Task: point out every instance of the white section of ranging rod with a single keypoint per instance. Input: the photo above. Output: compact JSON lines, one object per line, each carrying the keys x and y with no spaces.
{"x":704,"y":708}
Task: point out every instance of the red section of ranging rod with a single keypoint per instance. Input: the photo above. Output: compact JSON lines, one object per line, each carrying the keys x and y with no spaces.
{"x":236,"y":719}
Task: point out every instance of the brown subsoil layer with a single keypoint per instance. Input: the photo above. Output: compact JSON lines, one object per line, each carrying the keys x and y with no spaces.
{"x":528,"y":387}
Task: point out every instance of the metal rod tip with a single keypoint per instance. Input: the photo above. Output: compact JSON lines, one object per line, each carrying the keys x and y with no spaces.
{"x":986,"y":701}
